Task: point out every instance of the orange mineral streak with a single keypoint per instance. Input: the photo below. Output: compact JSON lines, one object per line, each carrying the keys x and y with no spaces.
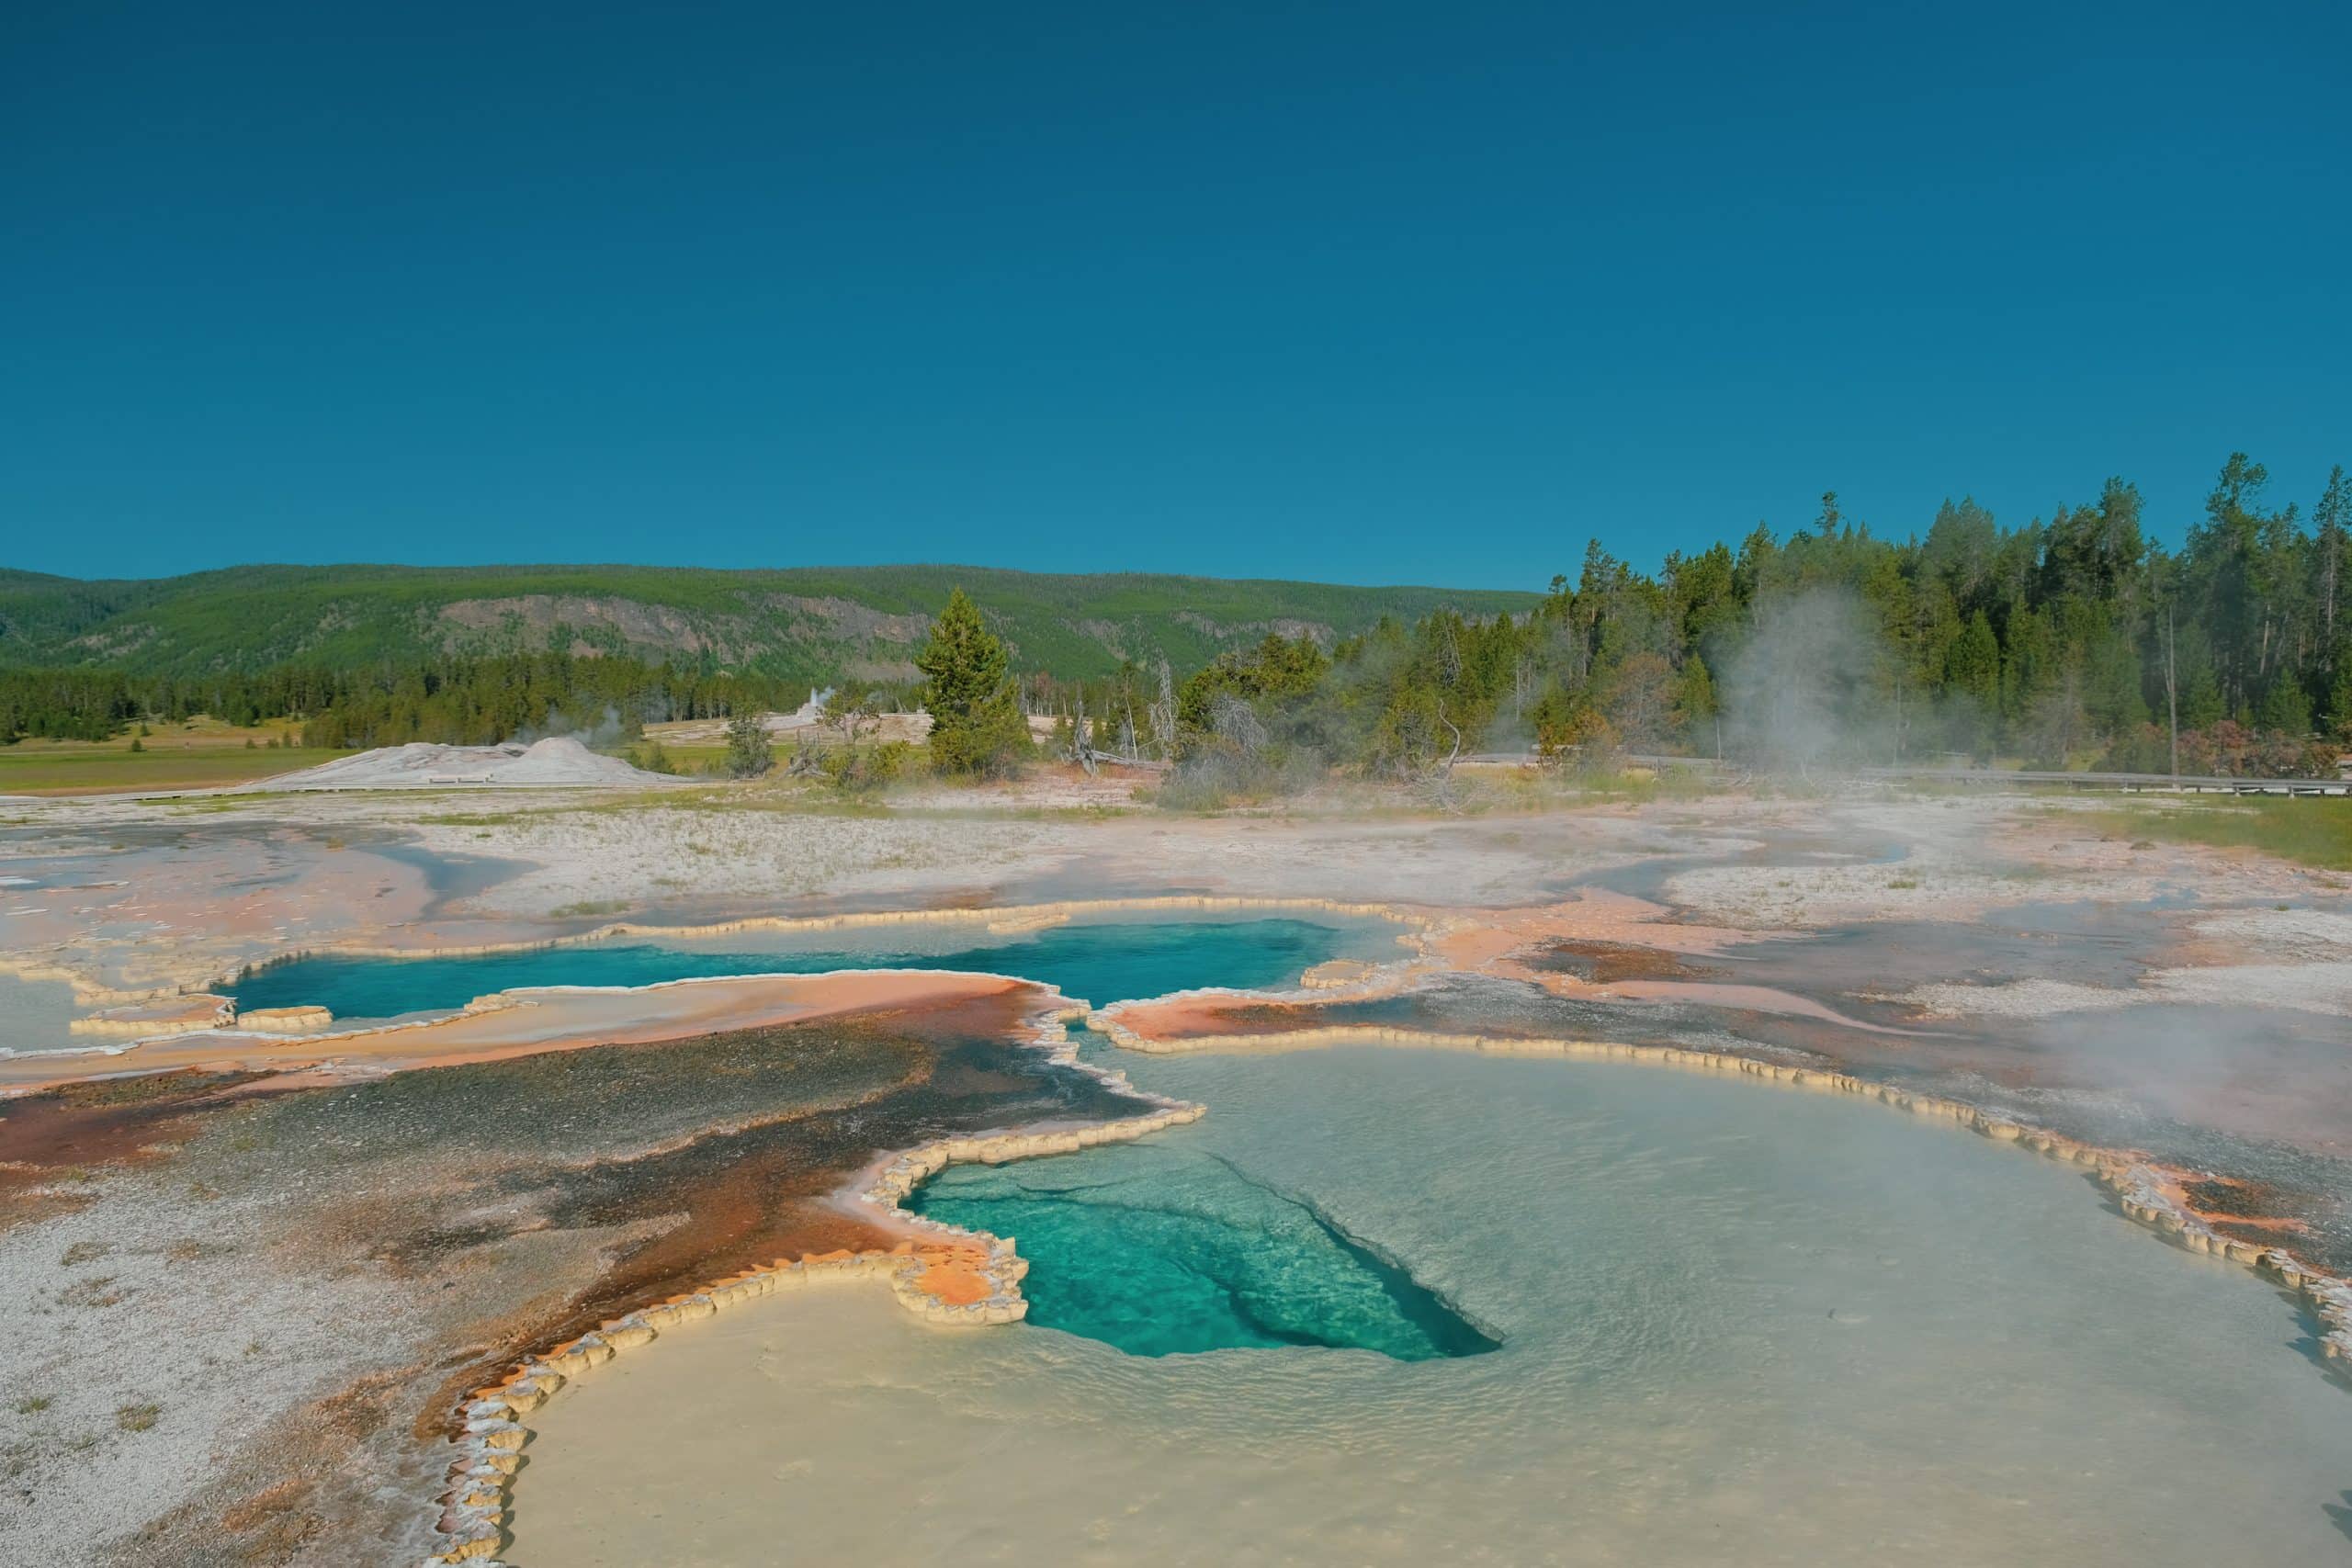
{"x":1506,"y":943}
{"x":526,"y":1023}
{"x":107,"y":1124}
{"x":1510,"y":945}
{"x":2252,"y":1222}
{"x":774,"y":1204}
{"x":1190,"y":1018}
{"x":1477,"y":938}
{"x":953,"y":1274}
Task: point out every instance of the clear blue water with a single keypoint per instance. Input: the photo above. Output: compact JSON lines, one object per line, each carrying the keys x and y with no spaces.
{"x":1167,"y":1248}
{"x":1103,"y":961}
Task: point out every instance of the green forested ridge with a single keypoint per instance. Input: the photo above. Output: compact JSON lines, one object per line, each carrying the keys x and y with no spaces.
{"x":2065,"y":642}
{"x":808,"y":626}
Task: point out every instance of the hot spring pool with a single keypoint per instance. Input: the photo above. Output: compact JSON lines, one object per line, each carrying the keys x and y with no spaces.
{"x":1166,"y":1248}
{"x":1729,"y":1324}
{"x":1099,"y":961}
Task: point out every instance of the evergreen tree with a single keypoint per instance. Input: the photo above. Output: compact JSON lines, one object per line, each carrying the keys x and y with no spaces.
{"x":2332,"y":522}
{"x":976,"y":721}
{"x":1695,"y":704}
{"x":2339,"y":701}
{"x":2285,"y":708}
{"x":2201,"y":703}
{"x":1973,"y":672}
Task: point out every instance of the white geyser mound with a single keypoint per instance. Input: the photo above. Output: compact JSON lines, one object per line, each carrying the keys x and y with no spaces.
{"x":557,"y":762}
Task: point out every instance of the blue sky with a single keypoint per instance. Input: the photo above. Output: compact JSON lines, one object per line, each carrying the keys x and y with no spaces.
{"x":1360,"y":292}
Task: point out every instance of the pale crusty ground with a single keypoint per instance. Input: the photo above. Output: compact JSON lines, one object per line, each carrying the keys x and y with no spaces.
{"x":650,"y":854}
{"x":2304,"y":987}
{"x":2307,"y":966}
{"x":2301,"y":936}
{"x":165,"y":1344}
{"x":148,"y":915}
{"x":529,"y":1022}
{"x":166,"y":894}
{"x":156,"y":1302}
{"x":1969,"y":855}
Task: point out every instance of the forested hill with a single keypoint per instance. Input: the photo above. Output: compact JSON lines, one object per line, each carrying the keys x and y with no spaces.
{"x":809,"y":624}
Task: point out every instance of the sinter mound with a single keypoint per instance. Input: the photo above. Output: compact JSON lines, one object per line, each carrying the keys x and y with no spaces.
{"x":559,"y":761}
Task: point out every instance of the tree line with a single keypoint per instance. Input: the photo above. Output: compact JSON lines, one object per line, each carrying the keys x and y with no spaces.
{"x":456,"y":700}
{"x":2072,"y":642}
{"x":2076,"y":642}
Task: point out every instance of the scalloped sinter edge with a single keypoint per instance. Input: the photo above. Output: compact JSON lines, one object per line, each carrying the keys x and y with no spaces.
{"x":2144,"y":1190}
{"x":965,"y":1278}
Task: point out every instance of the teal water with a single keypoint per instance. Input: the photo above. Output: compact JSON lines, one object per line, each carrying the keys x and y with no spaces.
{"x":1165,"y":1248}
{"x":1099,"y":962}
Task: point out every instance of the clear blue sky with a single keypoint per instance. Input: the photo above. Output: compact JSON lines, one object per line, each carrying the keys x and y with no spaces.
{"x":1364,"y":292}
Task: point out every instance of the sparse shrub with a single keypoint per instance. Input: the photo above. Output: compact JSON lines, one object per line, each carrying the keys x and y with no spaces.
{"x":1573,"y":736}
{"x":750,"y":754}
{"x":865,"y":769}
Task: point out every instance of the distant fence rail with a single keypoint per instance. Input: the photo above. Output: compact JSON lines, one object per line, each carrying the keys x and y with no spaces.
{"x":1996,"y":778}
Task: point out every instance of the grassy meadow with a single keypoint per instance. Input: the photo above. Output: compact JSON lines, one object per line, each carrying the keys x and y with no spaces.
{"x":2309,"y":831}
{"x":200,"y":754}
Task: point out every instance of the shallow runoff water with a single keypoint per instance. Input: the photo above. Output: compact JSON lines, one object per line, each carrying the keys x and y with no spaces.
{"x":1716,"y":1322}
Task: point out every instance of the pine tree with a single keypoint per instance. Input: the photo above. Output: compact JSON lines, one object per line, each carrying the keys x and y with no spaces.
{"x":976,"y":721}
{"x":1972,"y":670}
{"x":2333,"y":520}
{"x":1694,"y":702}
{"x":2201,"y":702}
{"x":2339,"y":701}
{"x":2285,"y":708}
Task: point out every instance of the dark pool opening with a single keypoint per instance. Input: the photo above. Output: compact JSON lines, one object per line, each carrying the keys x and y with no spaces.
{"x":1162,"y":1250}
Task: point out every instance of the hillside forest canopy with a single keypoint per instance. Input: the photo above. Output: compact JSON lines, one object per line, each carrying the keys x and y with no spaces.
{"x":2076,"y":642}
